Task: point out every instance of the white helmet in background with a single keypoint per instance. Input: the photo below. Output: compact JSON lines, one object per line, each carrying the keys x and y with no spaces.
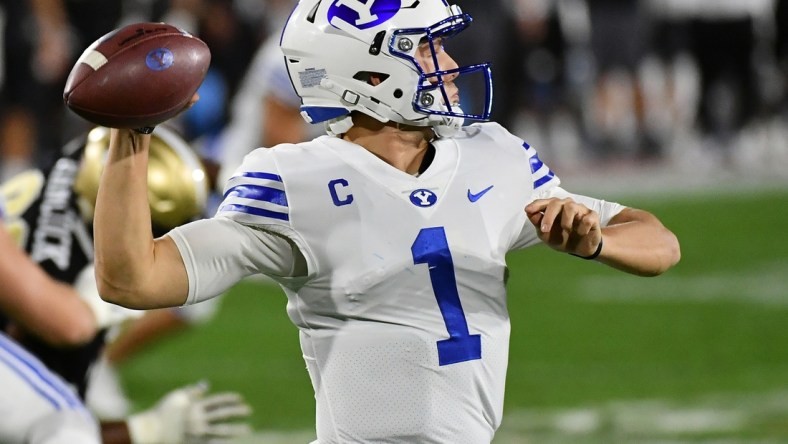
{"x":332,"y":46}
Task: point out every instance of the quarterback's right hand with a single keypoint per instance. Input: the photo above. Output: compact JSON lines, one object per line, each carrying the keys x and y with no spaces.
{"x":188,"y":416}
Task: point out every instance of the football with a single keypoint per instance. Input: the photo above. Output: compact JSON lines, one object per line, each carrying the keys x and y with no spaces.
{"x":139,"y":75}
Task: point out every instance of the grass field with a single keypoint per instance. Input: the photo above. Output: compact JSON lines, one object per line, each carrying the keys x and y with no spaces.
{"x":699,"y":354}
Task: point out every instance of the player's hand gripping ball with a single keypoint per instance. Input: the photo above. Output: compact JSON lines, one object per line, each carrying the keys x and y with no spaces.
{"x":136,"y":76}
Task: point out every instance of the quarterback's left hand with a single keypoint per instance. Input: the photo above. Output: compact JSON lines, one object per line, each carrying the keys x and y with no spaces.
{"x":566,"y":225}
{"x":187,"y":415}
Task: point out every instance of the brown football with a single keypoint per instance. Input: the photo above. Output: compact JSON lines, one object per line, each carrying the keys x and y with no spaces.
{"x":138,"y":75}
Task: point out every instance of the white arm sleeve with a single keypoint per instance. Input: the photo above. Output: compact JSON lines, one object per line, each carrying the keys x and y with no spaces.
{"x":606,"y":211}
{"x":219,"y":252}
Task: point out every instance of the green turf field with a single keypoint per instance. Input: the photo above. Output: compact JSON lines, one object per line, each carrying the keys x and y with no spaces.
{"x":698,"y":354}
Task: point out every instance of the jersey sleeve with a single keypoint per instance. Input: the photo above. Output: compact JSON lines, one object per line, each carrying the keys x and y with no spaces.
{"x":255,"y":194}
{"x":249,"y":234}
{"x":605,"y":209}
{"x":543,"y":178}
{"x":219,"y":252}
{"x":546,"y":184}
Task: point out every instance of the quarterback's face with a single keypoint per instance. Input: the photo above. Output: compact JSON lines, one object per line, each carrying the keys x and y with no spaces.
{"x":445,"y":62}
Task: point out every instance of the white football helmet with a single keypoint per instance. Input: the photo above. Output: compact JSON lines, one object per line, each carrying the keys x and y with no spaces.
{"x":332,"y":46}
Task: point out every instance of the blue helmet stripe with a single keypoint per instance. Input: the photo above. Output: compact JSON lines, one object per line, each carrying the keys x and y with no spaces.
{"x":254,"y":211}
{"x":319,"y":114}
{"x":258,"y":192}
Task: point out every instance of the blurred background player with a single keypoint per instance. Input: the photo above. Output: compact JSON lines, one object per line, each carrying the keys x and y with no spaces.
{"x":265,"y":111}
{"x":41,"y":39}
{"x":106,"y":396}
{"x":38,"y":405}
{"x":53,"y":223}
{"x":51,"y":306}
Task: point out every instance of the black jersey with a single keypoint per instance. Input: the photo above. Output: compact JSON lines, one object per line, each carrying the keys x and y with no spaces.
{"x":61,"y":242}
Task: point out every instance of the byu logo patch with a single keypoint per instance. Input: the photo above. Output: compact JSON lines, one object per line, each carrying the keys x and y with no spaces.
{"x":423,"y":198}
{"x":159,"y":59}
{"x":363,"y":14}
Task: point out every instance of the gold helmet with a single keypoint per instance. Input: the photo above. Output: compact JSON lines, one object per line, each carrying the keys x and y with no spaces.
{"x":177,"y":180}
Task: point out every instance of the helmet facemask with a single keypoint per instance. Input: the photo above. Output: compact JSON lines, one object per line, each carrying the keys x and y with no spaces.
{"x":431,"y":96}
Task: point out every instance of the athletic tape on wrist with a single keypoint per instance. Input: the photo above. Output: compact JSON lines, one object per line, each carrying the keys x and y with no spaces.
{"x":594,"y":255}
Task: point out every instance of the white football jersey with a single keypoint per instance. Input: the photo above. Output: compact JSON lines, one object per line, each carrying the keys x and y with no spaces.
{"x":402,"y":314}
{"x":36,"y":405}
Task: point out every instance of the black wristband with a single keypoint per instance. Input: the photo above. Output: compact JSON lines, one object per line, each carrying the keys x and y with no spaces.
{"x":594,"y":255}
{"x":145,"y":129}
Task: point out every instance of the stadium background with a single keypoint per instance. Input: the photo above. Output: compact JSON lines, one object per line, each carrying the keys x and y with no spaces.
{"x":679,"y":107}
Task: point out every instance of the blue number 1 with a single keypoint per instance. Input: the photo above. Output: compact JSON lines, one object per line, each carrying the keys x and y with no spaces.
{"x":432,"y":248}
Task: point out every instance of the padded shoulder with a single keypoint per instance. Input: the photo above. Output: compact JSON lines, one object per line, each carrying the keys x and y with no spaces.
{"x":255,"y":194}
{"x":543,"y":176}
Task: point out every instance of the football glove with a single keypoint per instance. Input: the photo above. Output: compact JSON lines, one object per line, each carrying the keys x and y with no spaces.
{"x":187,"y":416}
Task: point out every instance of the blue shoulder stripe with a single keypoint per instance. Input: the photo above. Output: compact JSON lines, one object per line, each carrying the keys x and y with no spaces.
{"x":536,"y":165}
{"x":258,"y":192}
{"x":261,"y":175}
{"x":547,"y":178}
{"x":254,"y":193}
{"x":254,"y":211}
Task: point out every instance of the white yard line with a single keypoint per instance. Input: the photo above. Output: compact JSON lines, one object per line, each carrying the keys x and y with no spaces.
{"x":762,"y":284}
{"x":652,"y":420}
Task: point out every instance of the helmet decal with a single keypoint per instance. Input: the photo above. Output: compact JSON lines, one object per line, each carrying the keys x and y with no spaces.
{"x":311,"y":77}
{"x":363,"y":14}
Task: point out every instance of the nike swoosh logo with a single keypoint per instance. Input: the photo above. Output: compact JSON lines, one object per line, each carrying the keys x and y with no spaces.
{"x":474,"y":197}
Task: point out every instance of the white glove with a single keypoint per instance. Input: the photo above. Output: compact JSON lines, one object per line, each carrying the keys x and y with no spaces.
{"x":107,"y":315}
{"x":186,"y":416}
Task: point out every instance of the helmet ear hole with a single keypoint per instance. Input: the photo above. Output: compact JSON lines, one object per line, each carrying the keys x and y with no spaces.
{"x":372,"y":78}
{"x":398,"y":93}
